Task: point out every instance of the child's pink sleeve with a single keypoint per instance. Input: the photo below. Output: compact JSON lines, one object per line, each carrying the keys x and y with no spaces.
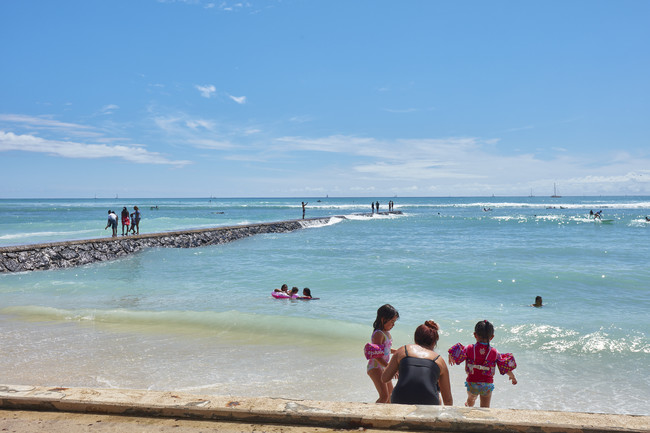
{"x":506,"y":362}
{"x":373,"y":350}
{"x":457,"y":353}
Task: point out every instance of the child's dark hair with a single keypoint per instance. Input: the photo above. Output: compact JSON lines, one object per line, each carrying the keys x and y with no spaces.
{"x":484,"y":331}
{"x":384,"y":314}
{"x":306,"y":291}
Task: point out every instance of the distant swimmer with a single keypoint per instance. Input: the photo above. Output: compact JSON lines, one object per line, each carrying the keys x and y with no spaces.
{"x":647,"y":218}
{"x":487,"y":209}
{"x":538,"y":302}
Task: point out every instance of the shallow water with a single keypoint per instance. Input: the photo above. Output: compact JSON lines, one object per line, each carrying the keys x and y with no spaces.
{"x":202,"y":320}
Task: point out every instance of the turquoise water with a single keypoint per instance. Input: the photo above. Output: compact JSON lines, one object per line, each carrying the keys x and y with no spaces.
{"x":202,"y":320}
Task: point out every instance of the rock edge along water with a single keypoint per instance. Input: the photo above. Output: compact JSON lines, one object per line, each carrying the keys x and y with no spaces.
{"x":344,"y":415}
{"x":76,"y":253}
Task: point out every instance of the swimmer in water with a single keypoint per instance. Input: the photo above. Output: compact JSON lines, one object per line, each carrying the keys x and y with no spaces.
{"x":538,"y":302}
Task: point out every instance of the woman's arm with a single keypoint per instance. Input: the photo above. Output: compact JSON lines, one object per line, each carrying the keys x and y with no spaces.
{"x":393,"y":366}
{"x":443,"y":382}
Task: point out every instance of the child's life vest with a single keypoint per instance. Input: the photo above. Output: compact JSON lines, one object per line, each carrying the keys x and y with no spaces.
{"x":481,"y":361}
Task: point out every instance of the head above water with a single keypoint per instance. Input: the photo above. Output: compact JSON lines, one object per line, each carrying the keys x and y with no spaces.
{"x":538,"y":301}
{"x":484,"y":331}
{"x":385,"y":314}
{"x":306,"y":291}
{"x":426,"y":335}
{"x":284,"y":288}
{"x":294,"y":290}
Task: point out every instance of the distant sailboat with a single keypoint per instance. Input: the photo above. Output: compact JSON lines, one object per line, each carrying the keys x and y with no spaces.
{"x":555,"y":192}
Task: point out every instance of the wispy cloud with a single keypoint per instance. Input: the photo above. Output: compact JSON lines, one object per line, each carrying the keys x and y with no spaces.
{"x":197,"y":132}
{"x":109,"y":109}
{"x":238,"y":99}
{"x":470,"y":165}
{"x":41,"y":122}
{"x":70,"y":149}
{"x":206,"y":91}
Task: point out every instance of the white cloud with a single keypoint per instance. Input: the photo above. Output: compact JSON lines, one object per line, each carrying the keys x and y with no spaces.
{"x":69,"y":149}
{"x":199,"y":123}
{"x":206,"y":143}
{"x":206,"y":91}
{"x":41,"y":122}
{"x":238,"y":99}
{"x":469,"y":166}
{"x":109,"y":109}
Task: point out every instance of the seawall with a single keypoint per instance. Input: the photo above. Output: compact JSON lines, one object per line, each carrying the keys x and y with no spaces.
{"x":324,"y":414}
{"x":68,"y":254}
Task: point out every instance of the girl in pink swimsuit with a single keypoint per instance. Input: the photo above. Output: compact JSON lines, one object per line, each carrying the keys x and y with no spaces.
{"x":379,"y":350}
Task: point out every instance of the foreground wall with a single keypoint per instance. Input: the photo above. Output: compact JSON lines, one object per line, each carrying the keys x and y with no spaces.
{"x":341,"y":415}
{"x":75,"y":253}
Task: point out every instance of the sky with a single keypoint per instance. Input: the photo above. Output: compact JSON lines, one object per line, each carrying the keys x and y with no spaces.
{"x":308,"y":98}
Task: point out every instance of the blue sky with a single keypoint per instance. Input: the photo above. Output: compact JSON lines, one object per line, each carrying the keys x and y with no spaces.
{"x":301,"y":98}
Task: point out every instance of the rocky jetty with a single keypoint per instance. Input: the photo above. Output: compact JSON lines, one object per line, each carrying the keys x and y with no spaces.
{"x":75,"y":253}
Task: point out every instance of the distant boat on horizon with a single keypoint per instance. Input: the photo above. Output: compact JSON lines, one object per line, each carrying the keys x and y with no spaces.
{"x":555,"y":192}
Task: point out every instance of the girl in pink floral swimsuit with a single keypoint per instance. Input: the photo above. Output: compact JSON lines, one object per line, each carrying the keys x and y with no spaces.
{"x":481,"y":361}
{"x":378,"y":351}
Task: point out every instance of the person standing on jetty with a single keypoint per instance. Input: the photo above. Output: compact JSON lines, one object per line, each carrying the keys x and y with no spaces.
{"x":112,"y":222}
{"x":377,"y":206}
{"x":135,"y":221}
{"x":125,"y":220}
{"x":372,"y":206}
{"x":303,"y":209}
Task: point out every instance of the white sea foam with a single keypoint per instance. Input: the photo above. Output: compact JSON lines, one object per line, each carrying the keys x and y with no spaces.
{"x":64,"y":234}
{"x":316,"y":224}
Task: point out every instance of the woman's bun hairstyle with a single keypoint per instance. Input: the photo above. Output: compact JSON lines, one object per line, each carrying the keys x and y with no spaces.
{"x":426,"y":335}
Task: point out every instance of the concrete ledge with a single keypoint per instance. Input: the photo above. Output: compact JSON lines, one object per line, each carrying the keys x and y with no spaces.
{"x":310,"y":413}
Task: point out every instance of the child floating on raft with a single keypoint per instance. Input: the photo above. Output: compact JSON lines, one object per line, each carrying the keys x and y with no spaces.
{"x":481,"y":361}
{"x":284,"y":289}
{"x":293,"y":294}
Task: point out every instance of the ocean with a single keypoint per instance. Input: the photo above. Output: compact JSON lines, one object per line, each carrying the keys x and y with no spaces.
{"x":202,"y":320}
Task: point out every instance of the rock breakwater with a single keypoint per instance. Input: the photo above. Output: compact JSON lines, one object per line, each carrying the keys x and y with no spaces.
{"x":76,"y":253}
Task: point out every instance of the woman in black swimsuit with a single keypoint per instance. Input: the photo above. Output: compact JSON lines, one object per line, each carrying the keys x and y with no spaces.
{"x":423,"y":374}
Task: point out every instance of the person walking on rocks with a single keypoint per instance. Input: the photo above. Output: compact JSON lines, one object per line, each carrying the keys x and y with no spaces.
{"x":303,"y":209}
{"x":112,"y":222}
